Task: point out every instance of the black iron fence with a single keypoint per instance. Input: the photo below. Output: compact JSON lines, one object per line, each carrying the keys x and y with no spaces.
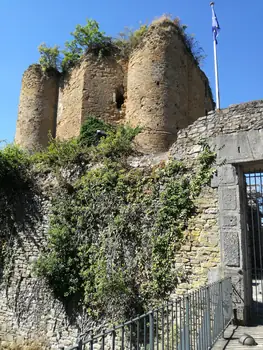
{"x":254,"y":189}
{"x":194,"y":321}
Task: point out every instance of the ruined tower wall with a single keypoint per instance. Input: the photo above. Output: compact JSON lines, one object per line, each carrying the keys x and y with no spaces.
{"x":70,"y":103}
{"x":103,"y":89}
{"x":147,"y":95}
{"x":200,"y":99}
{"x":166,"y":89}
{"x":37,"y":108}
{"x":92,"y":88}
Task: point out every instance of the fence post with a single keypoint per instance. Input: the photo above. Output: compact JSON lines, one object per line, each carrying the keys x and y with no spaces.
{"x":208,"y":320}
{"x":151,"y":318}
{"x":122,"y":337}
{"x":187,"y":323}
{"x":103,"y":339}
{"x":80,"y":344}
{"x":113,"y":338}
{"x":91,"y":340}
{"x":222,"y":304}
{"x":138,"y":332}
{"x":130,"y":334}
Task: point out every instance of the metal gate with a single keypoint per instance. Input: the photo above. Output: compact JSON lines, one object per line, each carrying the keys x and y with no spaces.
{"x":254,"y":189}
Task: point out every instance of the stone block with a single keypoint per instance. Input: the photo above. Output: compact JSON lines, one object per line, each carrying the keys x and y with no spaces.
{"x":242,"y":146}
{"x":229,"y":220}
{"x":227,"y":175}
{"x":231,"y":248}
{"x":228,"y":198}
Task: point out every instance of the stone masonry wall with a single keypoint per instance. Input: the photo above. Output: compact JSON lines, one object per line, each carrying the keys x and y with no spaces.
{"x":70,"y":103}
{"x":236,"y":135}
{"x":166,"y":90}
{"x":235,"y":119}
{"x":28,"y":310}
{"x":200,"y":250}
{"x":200,"y":99}
{"x":92,"y":88}
{"x":37,"y":108}
{"x":104,"y":83}
{"x":212,"y":246}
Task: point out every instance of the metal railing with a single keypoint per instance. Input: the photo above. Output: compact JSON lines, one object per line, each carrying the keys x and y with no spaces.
{"x":194,"y":321}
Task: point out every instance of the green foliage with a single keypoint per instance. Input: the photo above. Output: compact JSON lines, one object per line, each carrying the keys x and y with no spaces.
{"x":86,"y":148}
{"x":87,"y":38}
{"x":113,"y":238}
{"x":13,"y":168}
{"x":88,"y":130}
{"x":112,"y":241}
{"x":60,"y":154}
{"x":49,"y":57}
{"x":72,"y":55}
{"x":206,"y":159}
{"x":17,"y":193}
{"x":117,"y":144}
{"x":91,"y":38}
{"x":128,"y":39}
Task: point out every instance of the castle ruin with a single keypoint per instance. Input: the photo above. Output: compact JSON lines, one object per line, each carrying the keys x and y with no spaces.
{"x":160,"y":88}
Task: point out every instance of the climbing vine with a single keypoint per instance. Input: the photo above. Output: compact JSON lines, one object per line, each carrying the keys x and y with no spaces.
{"x":112,"y":238}
{"x":17,"y":200}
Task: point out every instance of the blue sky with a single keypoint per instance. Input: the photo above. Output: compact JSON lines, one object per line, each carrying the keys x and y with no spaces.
{"x":25,"y":24}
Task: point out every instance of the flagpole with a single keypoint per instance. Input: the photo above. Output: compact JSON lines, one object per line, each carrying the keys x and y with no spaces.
{"x":216,"y":68}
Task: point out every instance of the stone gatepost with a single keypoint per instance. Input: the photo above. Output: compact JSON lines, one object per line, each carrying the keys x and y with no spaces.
{"x":232,"y":223}
{"x":235,"y":151}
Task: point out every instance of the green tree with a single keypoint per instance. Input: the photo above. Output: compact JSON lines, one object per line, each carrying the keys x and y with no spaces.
{"x":49,"y":57}
{"x":87,"y":38}
{"x":89,"y":35}
{"x":72,"y":54}
{"x":91,"y":39}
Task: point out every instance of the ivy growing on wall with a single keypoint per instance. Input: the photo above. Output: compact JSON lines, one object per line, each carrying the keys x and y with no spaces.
{"x":17,"y":201}
{"x":113,"y":237}
{"x":112,"y":240}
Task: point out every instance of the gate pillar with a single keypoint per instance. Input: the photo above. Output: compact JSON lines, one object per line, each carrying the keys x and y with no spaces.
{"x":232,"y":229}
{"x":234,"y":152}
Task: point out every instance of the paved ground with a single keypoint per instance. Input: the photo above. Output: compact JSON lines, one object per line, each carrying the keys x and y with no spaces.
{"x":232,"y":335}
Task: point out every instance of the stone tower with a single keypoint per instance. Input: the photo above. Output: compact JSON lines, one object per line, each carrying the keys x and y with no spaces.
{"x":37,"y":108}
{"x":166,"y":89}
{"x":160,"y":87}
{"x":94,"y":88}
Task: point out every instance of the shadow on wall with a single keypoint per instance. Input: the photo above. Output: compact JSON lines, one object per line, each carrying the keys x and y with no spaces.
{"x":23,"y":228}
{"x":19,"y":214}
